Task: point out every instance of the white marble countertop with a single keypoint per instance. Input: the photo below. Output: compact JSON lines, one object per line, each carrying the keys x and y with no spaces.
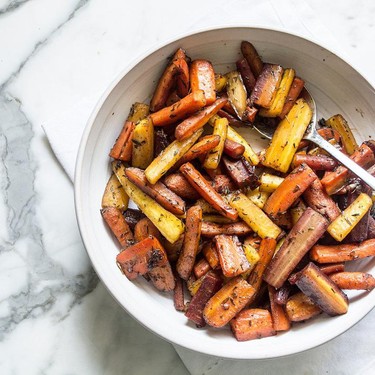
{"x":56,"y":58}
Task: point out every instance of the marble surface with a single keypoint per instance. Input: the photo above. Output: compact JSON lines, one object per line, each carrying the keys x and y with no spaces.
{"x":56,"y":58}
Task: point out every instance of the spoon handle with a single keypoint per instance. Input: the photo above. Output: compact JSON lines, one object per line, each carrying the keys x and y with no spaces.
{"x":343,"y":159}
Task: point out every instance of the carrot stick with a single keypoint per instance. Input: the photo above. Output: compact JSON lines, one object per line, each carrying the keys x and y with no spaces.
{"x":207,"y":192}
{"x":222,"y":184}
{"x":141,"y":258}
{"x":294,"y":91}
{"x":190,"y":246}
{"x":333,"y":181}
{"x":119,"y":227}
{"x":187,"y":127}
{"x":210,"y":253}
{"x":145,"y":228}
{"x":201,"y":268}
{"x":181,"y":186}
{"x":252,"y":324}
{"x":122,"y":149}
{"x":178,"y":295}
{"x":280,"y":319}
{"x":289,"y":190}
{"x":182,"y":79}
{"x":233,"y":149}
{"x":330,"y":268}
{"x":252,"y":57}
{"x":315,"y":162}
{"x":202,"y":77}
{"x":213,"y":229}
{"x":184,"y":107}
{"x":247,"y":75}
{"x":300,"y":307}
{"x":353,"y":280}
{"x":342,"y":253}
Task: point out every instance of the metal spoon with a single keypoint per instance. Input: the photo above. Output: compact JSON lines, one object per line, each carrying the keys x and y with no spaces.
{"x":312,"y":135}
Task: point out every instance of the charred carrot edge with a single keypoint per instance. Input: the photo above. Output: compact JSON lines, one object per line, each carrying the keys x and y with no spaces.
{"x":227,"y":302}
{"x":353,"y":280}
{"x":317,"y":198}
{"x":178,"y":295}
{"x":204,"y":145}
{"x":316,"y":162}
{"x":119,"y":227}
{"x":322,"y":290}
{"x":280,"y":319}
{"x":207,"y":192}
{"x":289,"y":190}
{"x":210,"y":253}
{"x":142,"y":257}
{"x":233,"y":149}
{"x":231,"y":255}
{"x":201,"y":268}
{"x":202,"y":77}
{"x":267,"y":85}
{"x":294,"y":92}
{"x":300,"y":307}
{"x":181,"y":186}
{"x":189,"y":104}
{"x":190,"y":246}
{"x":252,"y":57}
{"x":122,"y":149}
{"x":187,"y":127}
{"x":183,"y":77}
{"x":266,"y":251}
{"x":252,"y":324}
{"x":333,"y":181}
{"x":210,"y":284}
{"x":164,"y":196}
{"x":342,"y":253}
{"x":212,"y":229}
{"x":309,"y":228}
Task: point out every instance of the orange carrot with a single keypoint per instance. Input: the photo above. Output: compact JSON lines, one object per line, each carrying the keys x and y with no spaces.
{"x":280,"y":319}
{"x":343,"y":252}
{"x":145,"y":228}
{"x":294,"y":91}
{"x":353,"y":280}
{"x":122,"y":149}
{"x":184,"y":107}
{"x":207,"y":192}
{"x":181,"y":186}
{"x":210,"y":253}
{"x":252,"y":324}
{"x":187,"y":127}
{"x":201,"y":268}
{"x":289,"y":190}
{"x":141,"y":258}
{"x":182,"y":79}
{"x":330,"y":268}
{"x":233,"y":149}
{"x":334,"y":181}
{"x":202,"y":77}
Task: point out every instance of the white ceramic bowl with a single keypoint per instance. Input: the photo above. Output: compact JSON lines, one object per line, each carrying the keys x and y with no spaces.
{"x":336,"y":87}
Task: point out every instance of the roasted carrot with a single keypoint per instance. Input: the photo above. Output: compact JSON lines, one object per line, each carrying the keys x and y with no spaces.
{"x":267,"y":85}
{"x":252,"y":57}
{"x":210,"y":284}
{"x":204,"y":145}
{"x":178,"y":295}
{"x":233,"y":149}
{"x":186,"y":106}
{"x":162,"y":277}
{"x":122,"y":149}
{"x":190,"y":246}
{"x":142,"y":257}
{"x":145,"y":228}
{"x":294,"y":91}
{"x":309,"y":228}
{"x":289,"y":190}
{"x":213,"y":229}
{"x":210,"y":253}
{"x":342,"y":253}
{"x":182,"y":79}
{"x":227,"y":302}
{"x":317,"y":198}
{"x":165,"y":197}
{"x":201,"y":268}
{"x":280,"y":319}
{"x":331,"y":268}
{"x":335,"y":180}
{"x":315,"y":162}
{"x":202,"y":77}
{"x":300,"y":307}
{"x":239,"y":173}
{"x":247,"y":75}
{"x":181,"y":186}
{"x":266,"y":252}
{"x":132,"y":216}
{"x":173,"y":249}
{"x":232,"y":120}
{"x":231,"y":255}
{"x":187,"y":127}
{"x":353,"y":280}
{"x":204,"y":188}
{"x":119,"y":227}
{"x":253,"y":324}
{"x":322,"y":290}
{"x":222,"y":184}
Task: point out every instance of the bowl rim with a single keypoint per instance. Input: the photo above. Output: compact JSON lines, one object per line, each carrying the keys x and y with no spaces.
{"x":78,"y":182}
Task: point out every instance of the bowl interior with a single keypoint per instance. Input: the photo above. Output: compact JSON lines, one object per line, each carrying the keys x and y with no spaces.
{"x":336,"y":87}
